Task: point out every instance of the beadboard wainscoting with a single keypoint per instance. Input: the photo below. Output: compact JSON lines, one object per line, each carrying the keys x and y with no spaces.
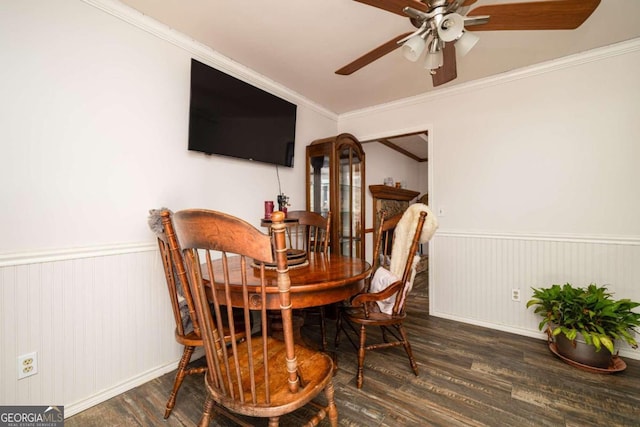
{"x":99,"y":320}
{"x":473,"y":275}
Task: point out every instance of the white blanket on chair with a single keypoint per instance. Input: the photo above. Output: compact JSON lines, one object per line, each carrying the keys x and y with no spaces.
{"x":402,"y":239}
{"x":403,"y":236}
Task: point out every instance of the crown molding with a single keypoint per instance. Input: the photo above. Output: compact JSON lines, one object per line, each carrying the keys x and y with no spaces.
{"x":569,"y":61}
{"x":205,"y":54}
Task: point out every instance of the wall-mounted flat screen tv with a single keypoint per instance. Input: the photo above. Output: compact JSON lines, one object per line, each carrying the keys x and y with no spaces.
{"x":230,"y":117}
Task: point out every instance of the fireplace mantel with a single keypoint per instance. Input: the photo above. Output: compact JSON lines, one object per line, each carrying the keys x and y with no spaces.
{"x":392,"y":193}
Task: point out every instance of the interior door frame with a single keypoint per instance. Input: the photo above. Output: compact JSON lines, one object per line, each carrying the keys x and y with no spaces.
{"x":431,"y":185}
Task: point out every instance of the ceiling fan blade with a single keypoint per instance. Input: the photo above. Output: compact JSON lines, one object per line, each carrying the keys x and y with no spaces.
{"x":396,"y":6}
{"x":448,"y":71}
{"x":457,"y":4}
{"x":371,"y":56}
{"x":540,"y":15}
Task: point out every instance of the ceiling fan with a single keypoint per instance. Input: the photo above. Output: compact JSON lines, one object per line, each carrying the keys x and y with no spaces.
{"x":443,"y":25}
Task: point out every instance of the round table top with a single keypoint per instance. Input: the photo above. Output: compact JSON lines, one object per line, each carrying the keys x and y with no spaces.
{"x":324,"y":280}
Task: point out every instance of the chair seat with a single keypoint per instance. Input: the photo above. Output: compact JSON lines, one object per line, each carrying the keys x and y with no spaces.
{"x":191,"y":339}
{"x":315,"y":371}
{"x":357,"y":315}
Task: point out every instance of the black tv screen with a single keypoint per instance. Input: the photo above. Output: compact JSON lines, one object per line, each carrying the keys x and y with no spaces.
{"x":233,"y":118}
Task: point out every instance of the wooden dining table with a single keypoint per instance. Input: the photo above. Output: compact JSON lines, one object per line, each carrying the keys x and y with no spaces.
{"x":323,"y":279}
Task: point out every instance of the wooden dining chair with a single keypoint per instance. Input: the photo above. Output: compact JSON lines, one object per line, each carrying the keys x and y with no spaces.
{"x":187,"y":330}
{"x":312,"y":231}
{"x":262,"y":376}
{"x":384,"y":308}
{"x":311,"y":234}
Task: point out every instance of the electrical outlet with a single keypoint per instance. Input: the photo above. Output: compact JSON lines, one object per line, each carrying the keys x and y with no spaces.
{"x":515,"y":294}
{"x":27,"y":365}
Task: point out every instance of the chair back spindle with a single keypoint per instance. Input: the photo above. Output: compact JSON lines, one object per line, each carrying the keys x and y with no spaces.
{"x":312,"y":231}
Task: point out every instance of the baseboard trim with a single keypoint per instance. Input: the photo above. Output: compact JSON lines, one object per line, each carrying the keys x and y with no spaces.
{"x":623,"y":352}
{"x":138,"y":380}
{"x":90,"y":401}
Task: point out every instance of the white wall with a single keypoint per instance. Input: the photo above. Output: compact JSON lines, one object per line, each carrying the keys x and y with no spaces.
{"x":522,"y":152}
{"x":93,"y":127}
{"x":537,"y":172}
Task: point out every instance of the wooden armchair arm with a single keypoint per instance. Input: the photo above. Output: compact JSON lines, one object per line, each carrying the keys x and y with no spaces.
{"x":361,"y":299}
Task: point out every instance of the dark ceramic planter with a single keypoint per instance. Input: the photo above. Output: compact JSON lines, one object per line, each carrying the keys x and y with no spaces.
{"x":582,"y":352}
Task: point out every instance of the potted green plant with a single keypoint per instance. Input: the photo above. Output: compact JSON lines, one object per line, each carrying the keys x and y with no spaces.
{"x":583,"y":320}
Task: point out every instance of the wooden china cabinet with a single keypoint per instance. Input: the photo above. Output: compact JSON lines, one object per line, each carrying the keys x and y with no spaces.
{"x":336,"y":183}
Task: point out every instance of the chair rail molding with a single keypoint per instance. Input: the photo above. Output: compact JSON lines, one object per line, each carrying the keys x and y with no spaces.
{"x":63,"y":254}
{"x":556,"y":237}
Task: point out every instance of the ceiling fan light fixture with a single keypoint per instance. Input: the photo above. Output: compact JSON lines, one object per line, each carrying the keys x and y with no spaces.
{"x":413,"y":48}
{"x":434,"y":58}
{"x":451,"y":27}
{"x":465,"y":43}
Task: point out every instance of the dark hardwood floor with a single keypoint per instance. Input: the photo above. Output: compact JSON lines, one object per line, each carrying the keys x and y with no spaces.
{"x":469,"y":376}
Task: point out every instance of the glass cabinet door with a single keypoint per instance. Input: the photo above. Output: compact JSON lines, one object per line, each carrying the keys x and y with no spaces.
{"x":350,"y":202}
{"x":319,"y":180}
{"x":335,"y":182}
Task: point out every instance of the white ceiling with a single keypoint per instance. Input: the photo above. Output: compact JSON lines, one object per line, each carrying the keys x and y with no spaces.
{"x":300,"y":43}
